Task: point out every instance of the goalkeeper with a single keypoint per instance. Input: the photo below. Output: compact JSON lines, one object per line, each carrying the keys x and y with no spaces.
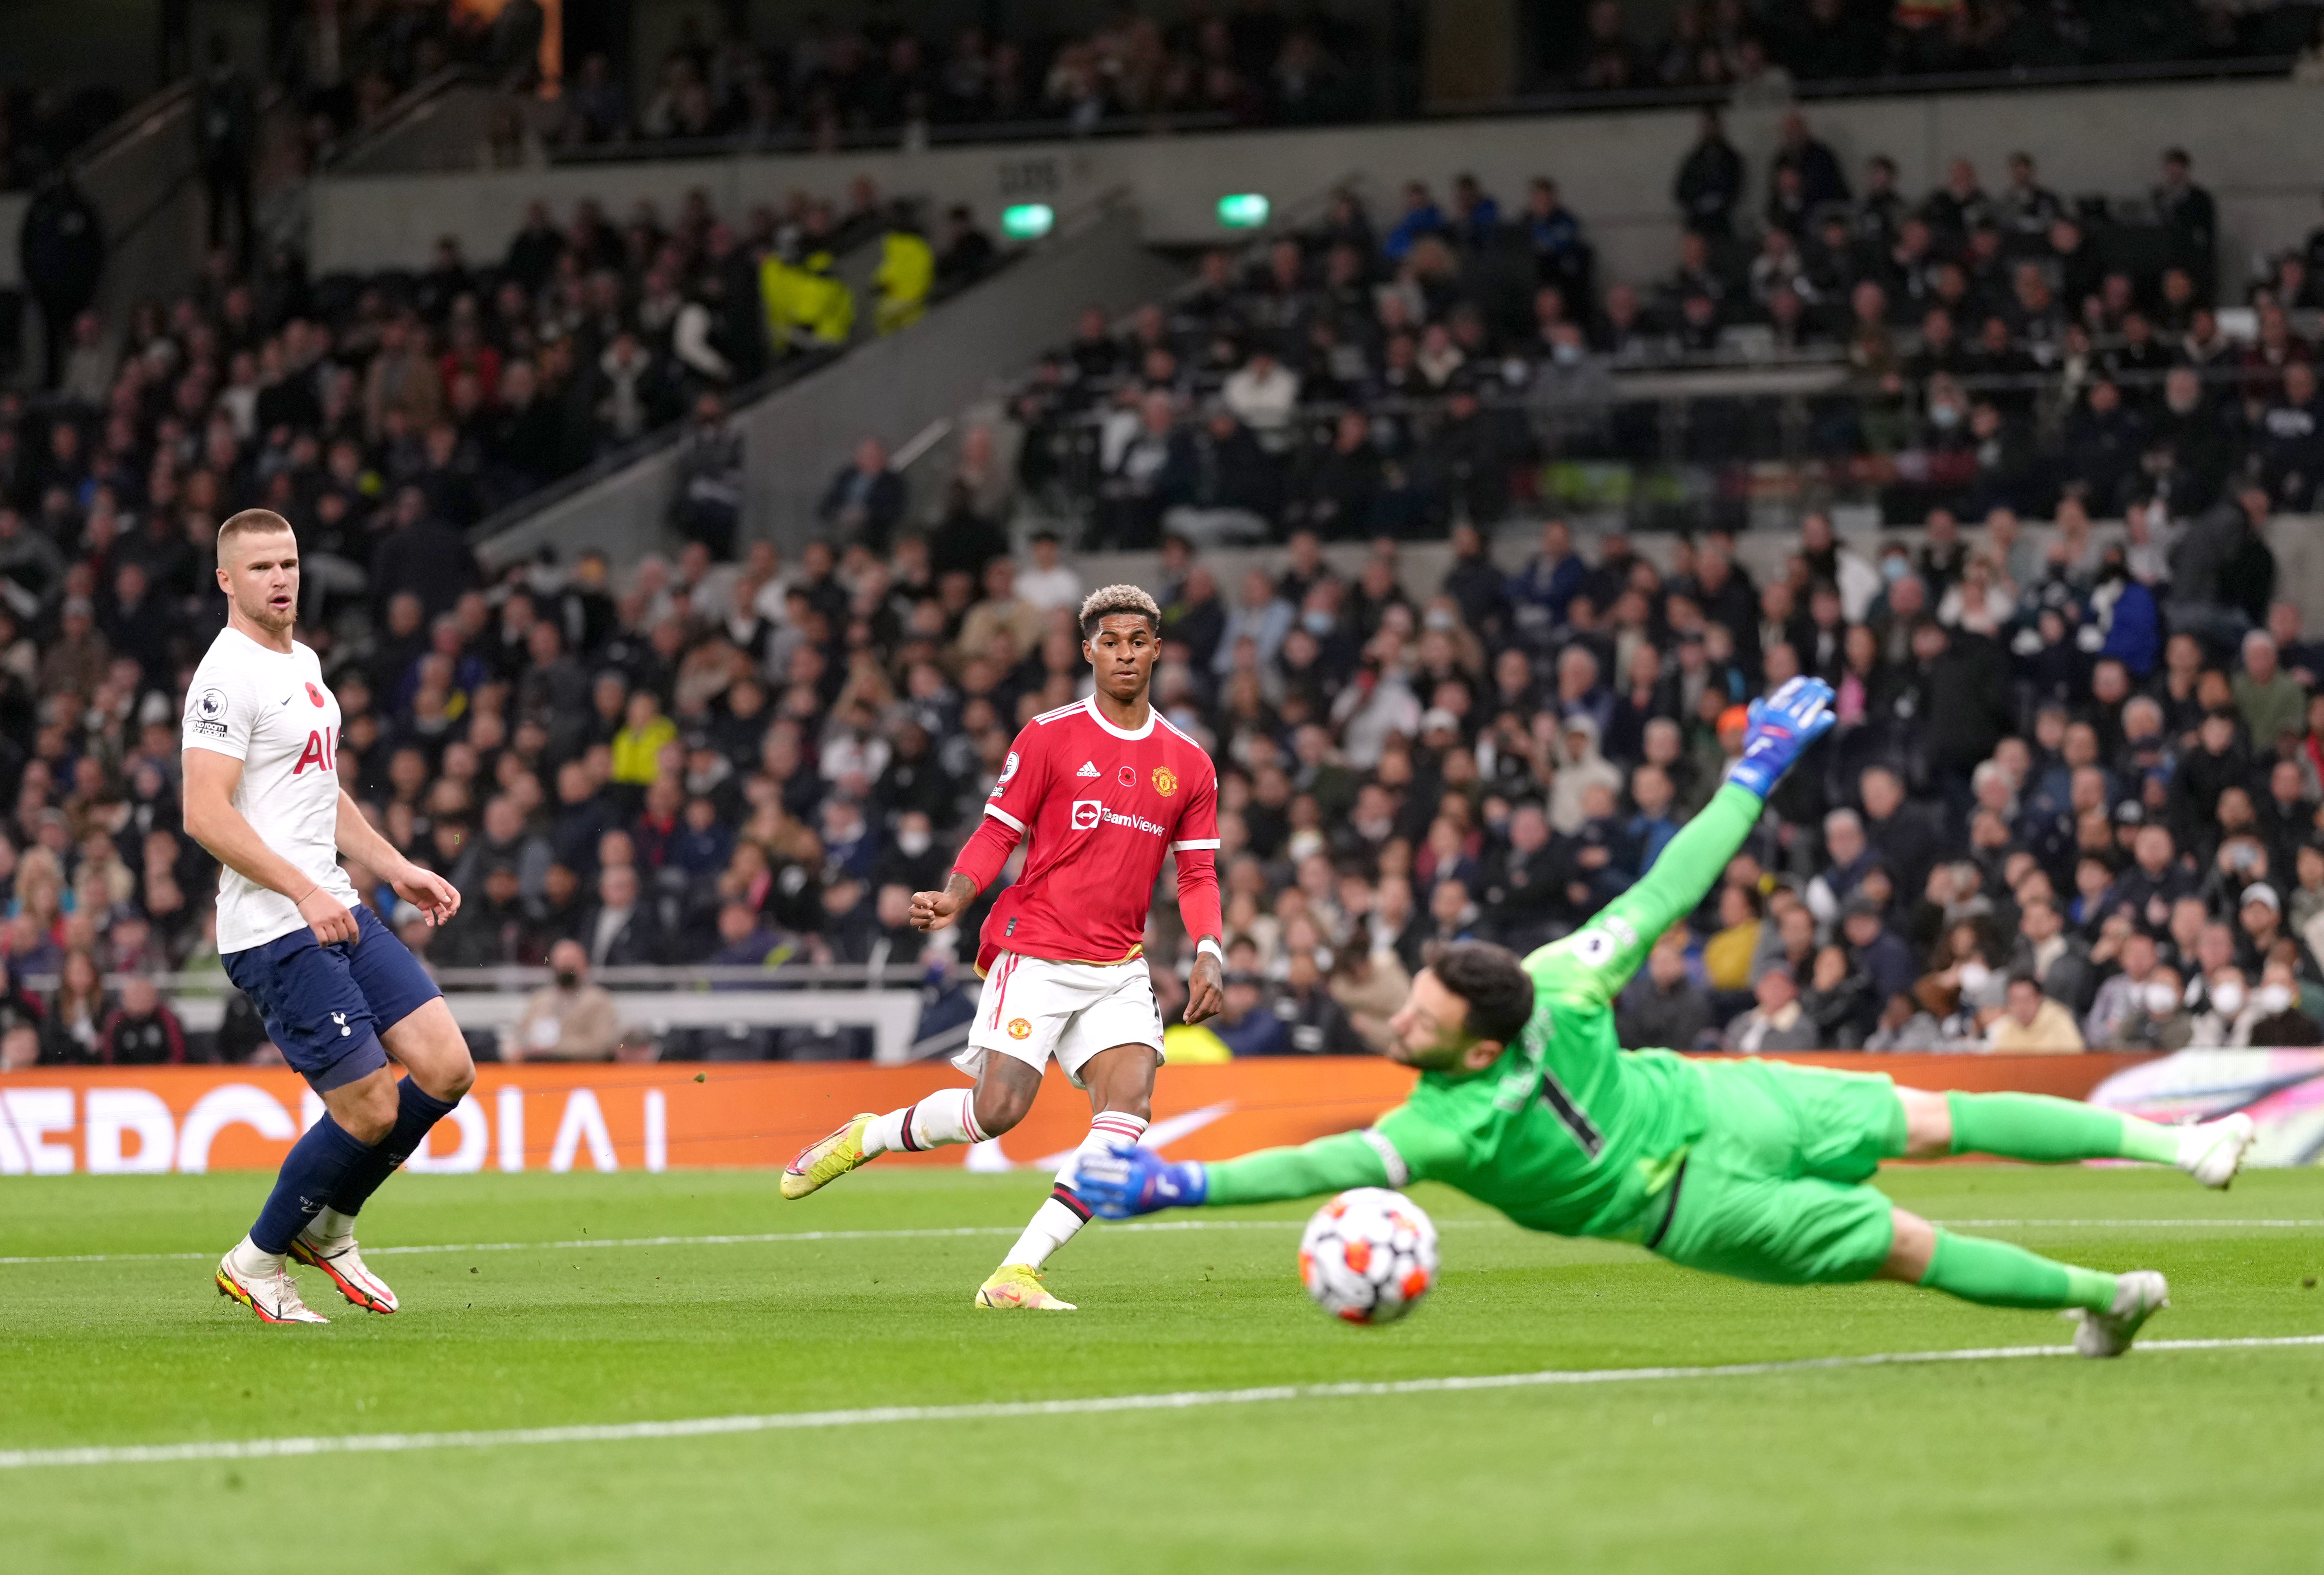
{"x":1749,"y":1168}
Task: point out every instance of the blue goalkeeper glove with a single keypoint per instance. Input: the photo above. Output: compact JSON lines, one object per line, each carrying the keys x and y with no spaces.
{"x":1126,"y":1180}
{"x":1782,"y":726}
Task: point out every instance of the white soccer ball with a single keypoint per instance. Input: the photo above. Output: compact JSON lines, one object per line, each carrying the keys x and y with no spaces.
{"x":1369,"y":1256}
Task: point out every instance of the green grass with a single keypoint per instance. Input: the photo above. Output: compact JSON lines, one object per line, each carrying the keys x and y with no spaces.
{"x":2163,"y":1460}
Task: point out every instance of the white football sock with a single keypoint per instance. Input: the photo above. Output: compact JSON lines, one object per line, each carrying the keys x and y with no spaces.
{"x":936,"y":1122}
{"x":1062,"y":1213}
{"x":250,"y":1263}
{"x":330,"y":1229}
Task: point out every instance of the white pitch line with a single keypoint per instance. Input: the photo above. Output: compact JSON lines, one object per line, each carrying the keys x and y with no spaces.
{"x":772,"y":1236}
{"x":935,"y":1233}
{"x":1183,"y":1400}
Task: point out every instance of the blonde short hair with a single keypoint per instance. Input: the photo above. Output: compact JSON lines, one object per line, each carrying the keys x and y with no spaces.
{"x":1108,"y":600}
{"x":251,"y":523}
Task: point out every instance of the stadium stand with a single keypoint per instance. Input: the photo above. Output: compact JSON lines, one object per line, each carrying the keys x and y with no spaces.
{"x":833,"y":82}
{"x":1960,"y":350}
{"x":1472,"y":551}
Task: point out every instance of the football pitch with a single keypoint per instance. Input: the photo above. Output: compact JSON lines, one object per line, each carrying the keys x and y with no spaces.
{"x":682,"y":1372}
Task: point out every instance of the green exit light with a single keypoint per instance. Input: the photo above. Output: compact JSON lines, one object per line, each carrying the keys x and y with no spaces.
{"x":1243,"y":210}
{"x":1028,"y":221}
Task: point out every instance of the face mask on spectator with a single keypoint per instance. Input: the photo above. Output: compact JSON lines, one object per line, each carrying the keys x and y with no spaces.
{"x":1317,"y":622}
{"x":1441,"y":618}
{"x":1975,"y":977}
{"x":2273,"y":999}
{"x":1894,"y":566}
{"x":2161,"y":1001}
{"x":2227,"y":998}
{"x":913,"y":843}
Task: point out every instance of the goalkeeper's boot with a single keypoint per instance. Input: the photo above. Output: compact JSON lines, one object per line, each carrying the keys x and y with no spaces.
{"x":269,"y":1291}
{"x":344,"y":1263}
{"x":2214,"y":1152}
{"x":1018,"y":1286}
{"x":2138,"y":1296}
{"x":828,"y":1159}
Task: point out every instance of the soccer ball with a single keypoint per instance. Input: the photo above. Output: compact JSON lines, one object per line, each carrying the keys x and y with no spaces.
{"x":1369,"y":1256}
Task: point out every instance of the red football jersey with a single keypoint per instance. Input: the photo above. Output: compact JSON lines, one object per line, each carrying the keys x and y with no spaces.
{"x":1099,"y":809}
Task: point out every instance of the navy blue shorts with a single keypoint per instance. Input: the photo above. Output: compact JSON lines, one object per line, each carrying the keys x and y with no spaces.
{"x":326,"y":1007}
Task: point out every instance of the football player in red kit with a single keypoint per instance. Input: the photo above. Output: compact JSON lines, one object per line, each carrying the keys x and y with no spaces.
{"x":1099,"y":792}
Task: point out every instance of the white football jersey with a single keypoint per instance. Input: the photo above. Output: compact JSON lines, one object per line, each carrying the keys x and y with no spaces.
{"x":274,"y":713}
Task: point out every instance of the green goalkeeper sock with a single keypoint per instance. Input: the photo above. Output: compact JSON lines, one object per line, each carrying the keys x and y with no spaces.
{"x":1995,"y":1274}
{"x":2047,"y":1131}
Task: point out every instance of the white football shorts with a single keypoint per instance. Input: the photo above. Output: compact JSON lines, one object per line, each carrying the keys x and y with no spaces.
{"x":1034,"y":1007}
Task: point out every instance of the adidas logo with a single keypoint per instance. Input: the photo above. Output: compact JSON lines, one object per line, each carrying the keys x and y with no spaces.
{"x":1089,"y":768}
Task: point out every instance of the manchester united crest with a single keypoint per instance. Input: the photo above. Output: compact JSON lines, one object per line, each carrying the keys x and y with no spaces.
{"x":1164,"y":782}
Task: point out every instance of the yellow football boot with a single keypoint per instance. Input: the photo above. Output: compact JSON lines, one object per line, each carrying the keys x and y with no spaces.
{"x":1019,"y":1286}
{"x":828,"y":1159}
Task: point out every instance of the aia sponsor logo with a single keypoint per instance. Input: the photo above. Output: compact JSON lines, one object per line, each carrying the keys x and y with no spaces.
{"x":322,"y":750}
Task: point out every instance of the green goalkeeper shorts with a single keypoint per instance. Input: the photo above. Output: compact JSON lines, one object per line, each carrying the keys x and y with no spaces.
{"x":1775,"y":1189}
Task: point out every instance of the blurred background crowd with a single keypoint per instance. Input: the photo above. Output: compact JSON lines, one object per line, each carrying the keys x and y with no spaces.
{"x":1465,"y":650}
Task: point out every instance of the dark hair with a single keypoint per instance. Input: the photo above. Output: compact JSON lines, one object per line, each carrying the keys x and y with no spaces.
{"x":1492,"y":983}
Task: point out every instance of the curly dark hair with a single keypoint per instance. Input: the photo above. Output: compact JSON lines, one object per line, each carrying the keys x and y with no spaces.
{"x":1490,"y":978}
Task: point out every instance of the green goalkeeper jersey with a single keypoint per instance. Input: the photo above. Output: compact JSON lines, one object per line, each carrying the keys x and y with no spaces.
{"x":1563,"y":1133}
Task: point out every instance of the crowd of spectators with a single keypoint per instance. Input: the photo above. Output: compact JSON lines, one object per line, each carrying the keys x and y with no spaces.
{"x":830,"y":78}
{"x":2049,"y":800}
{"x":360,"y":407}
{"x":1251,"y":67}
{"x":2036,"y":829}
{"x":1734,"y":45}
{"x":1259,"y":63}
{"x":1988,"y":348}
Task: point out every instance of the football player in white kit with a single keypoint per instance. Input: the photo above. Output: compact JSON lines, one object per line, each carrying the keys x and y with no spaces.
{"x":340,"y":995}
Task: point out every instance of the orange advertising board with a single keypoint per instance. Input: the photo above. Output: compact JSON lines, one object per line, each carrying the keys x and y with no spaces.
{"x":605,"y":1117}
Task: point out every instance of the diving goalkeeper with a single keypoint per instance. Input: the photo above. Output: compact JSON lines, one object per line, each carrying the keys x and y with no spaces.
{"x":1749,"y":1168}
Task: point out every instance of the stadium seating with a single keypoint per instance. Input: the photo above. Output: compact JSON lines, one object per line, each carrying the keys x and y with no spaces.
{"x":832,"y":83}
{"x":1471,"y":551}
